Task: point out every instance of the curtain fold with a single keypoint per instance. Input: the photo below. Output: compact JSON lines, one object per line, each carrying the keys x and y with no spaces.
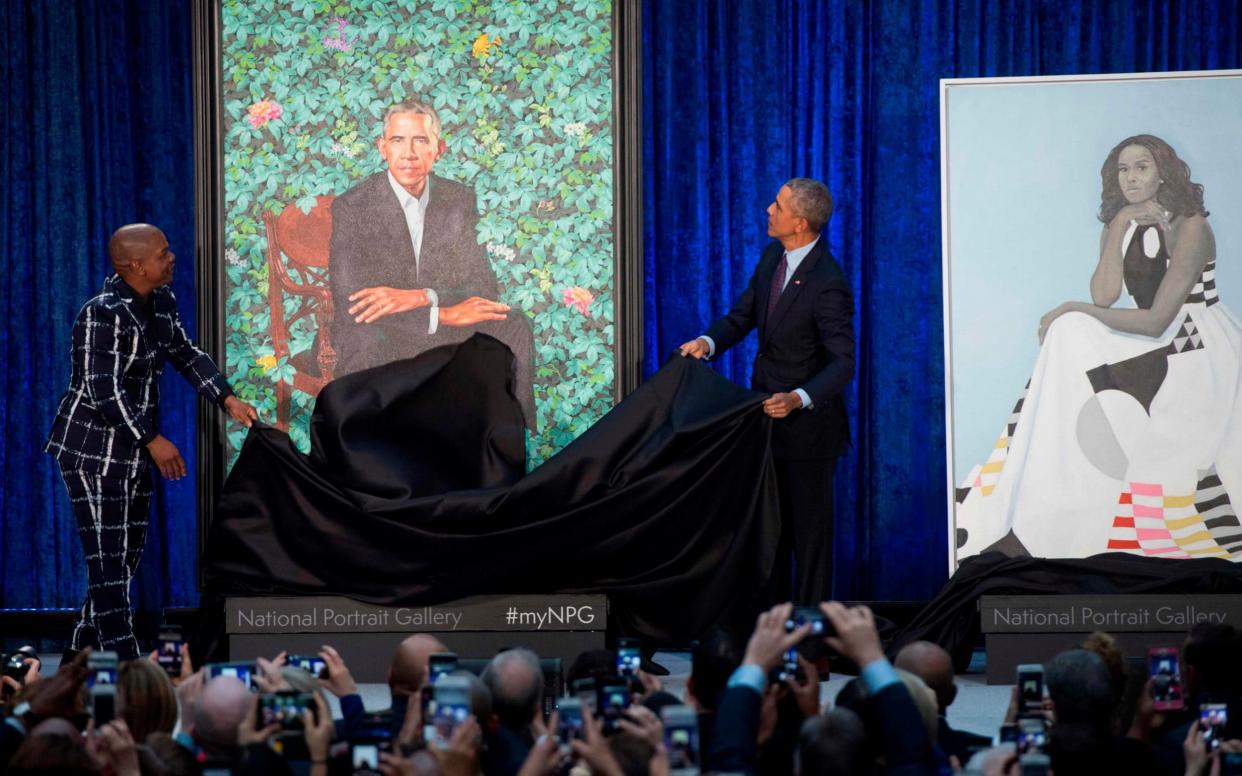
{"x":741,"y":95}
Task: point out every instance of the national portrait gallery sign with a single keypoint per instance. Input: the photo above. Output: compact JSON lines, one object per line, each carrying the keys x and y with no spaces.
{"x":1080,"y":614}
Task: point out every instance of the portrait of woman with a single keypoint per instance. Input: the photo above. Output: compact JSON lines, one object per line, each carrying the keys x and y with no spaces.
{"x":1126,"y":437}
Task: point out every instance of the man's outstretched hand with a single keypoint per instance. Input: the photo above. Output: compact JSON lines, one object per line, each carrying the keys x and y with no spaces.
{"x":240,"y":411}
{"x":474,"y":310}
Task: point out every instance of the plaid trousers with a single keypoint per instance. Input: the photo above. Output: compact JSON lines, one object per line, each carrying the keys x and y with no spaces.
{"x":111,"y":513}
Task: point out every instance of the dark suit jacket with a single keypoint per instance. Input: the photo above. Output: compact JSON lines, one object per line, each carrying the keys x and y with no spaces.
{"x":111,"y":410}
{"x":371,"y":247}
{"x":808,"y":344}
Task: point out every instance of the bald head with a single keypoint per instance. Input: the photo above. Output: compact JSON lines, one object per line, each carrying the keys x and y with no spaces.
{"x":516,"y":683}
{"x":140,"y":255}
{"x":220,"y":709}
{"x":931,"y":663}
{"x":408,"y":671}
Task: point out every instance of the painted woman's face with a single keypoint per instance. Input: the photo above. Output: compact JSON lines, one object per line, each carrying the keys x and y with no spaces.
{"x":1137,"y":174}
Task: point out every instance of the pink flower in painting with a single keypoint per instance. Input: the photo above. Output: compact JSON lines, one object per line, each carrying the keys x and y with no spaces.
{"x":577,"y":297}
{"x":340,"y":42}
{"x":263,"y":112}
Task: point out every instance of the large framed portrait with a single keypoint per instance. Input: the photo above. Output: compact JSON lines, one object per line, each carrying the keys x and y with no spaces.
{"x":379,"y":179}
{"x":1092,"y":254}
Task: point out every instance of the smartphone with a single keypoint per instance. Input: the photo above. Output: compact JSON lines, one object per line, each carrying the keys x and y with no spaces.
{"x":570,"y":725}
{"x":1035,"y":764}
{"x":440,"y":664}
{"x":1166,"y":678}
{"x":1213,"y":717}
{"x":584,"y":690}
{"x":802,"y":615}
{"x":1032,"y":735}
{"x":285,"y":708}
{"x":364,"y":754}
{"x":312,"y":664}
{"x":613,"y":700}
{"x":103,"y":703}
{"x":450,"y":706}
{"x":101,"y":668}
{"x":681,"y":739}
{"x":629,"y":658}
{"x":168,"y":653}
{"x":1030,"y":688}
{"x":1008,"y":733}
{"x":242,"y":671}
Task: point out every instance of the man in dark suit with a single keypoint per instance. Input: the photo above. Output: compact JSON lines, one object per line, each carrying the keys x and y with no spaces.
{"x":107,"y":432}
{"x":802,"y":305}
{"x":405,"y":266}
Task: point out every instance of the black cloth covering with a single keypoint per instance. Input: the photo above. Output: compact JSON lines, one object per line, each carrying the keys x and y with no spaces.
{"x":951,"y":619}
{"x":414,"y":494}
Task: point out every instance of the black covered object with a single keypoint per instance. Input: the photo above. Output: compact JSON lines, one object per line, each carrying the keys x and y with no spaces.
{"x":952,"y":618}
{"x":414,"y":494}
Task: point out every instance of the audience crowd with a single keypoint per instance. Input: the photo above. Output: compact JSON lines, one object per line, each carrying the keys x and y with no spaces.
{"x":751,"y":706}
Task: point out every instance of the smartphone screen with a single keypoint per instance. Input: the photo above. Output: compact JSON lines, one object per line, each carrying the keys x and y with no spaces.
{"x":449,"y":708}
{"x":242,"y":671}
{"x":1166,"y":678}
{"x":1212,"y":720}
{"x":629,"y":659}
{"x":569,"y":727}
{"x":103,"y":704}
{"x":1030,"y":688}
{"x":1032,"y":736}
{"x":364,"y":756}
{"x":441,"y":664}
{"x":614,"y":699}
{"x":169,"y":652}
{"x":681,"y":739}
{"x":312,"y":664}
{"x":283,"y":708}
{"x":101,"y":668}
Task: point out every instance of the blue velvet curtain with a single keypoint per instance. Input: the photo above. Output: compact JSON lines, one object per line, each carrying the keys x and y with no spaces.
{"x":744,"y":94}
{"x":97,"y":111}
{"x":739,"y":96}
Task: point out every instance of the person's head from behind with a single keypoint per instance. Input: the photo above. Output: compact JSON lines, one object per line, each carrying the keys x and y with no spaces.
{"x":221,"y":708}
{"x":516,"y":683}
{"x":408,"y":672}
{"x":931,"y":663}
{"x":1080,"y":690}
{"x":833,"y":744}
{"x":1106,"y":647}
{"x":1211,"y":660}
{"x":592,"y":664}
{"x":410,"y":143}
{"x":145,"y":699}
{"x":54,"y":746}
{"x":177,"y":759}
{"x":712,"y":662}
{"x":632,"y":753}
{"x":924,"y":700}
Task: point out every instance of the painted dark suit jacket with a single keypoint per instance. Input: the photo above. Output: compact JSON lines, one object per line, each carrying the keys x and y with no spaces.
{"x":808,"y":343}
{"x":371,"y":247}
{"x":111,"y":410}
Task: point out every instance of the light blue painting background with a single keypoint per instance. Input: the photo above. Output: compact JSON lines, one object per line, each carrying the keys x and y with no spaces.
{"x":1024,"y":188}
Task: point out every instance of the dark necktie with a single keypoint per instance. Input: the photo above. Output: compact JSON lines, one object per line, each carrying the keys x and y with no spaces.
{"x":778,"y":285}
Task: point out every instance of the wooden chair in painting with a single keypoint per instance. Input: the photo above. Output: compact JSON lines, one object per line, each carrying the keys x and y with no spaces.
{"x":297,"y":262}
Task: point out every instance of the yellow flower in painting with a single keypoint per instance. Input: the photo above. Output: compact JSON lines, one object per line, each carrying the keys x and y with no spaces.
{"x":483,"y":47}
{"x":267,"y":362}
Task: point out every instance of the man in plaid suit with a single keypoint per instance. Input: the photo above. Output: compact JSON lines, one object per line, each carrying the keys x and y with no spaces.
{"x":107,"y":427}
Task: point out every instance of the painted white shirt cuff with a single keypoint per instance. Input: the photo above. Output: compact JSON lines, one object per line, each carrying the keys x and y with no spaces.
{"x":434,"y":317}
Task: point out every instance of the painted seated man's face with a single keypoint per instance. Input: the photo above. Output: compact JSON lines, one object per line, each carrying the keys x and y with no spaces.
{"x":410,"y":149}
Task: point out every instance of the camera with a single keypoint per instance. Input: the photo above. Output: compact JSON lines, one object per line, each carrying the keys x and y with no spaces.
{"x":312,"y":664}
{"x":243,"y":671}
{"x":1213,"y":718}
{"x":1032,"y":735}
{"x":101,"y":679}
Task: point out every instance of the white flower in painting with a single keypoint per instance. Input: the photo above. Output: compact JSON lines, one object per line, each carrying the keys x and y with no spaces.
{"x":501,"y":252}
{"x":576,"y":129}
{"x":233,"y":258}
{"x":342,"y":149}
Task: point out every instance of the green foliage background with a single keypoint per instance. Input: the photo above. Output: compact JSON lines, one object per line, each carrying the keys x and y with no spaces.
{"x":524,"y":91}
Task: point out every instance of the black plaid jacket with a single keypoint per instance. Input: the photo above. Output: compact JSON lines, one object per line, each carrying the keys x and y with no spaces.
{"x":111,"y":409}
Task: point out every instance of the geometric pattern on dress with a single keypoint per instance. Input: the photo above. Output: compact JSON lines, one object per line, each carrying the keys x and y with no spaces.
{"x":1205,"y":289}
{"x":1187,"y":338}
{"x":1150,"y":522}
{"x":1218,"y":513}
{"x":983,"y":478}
